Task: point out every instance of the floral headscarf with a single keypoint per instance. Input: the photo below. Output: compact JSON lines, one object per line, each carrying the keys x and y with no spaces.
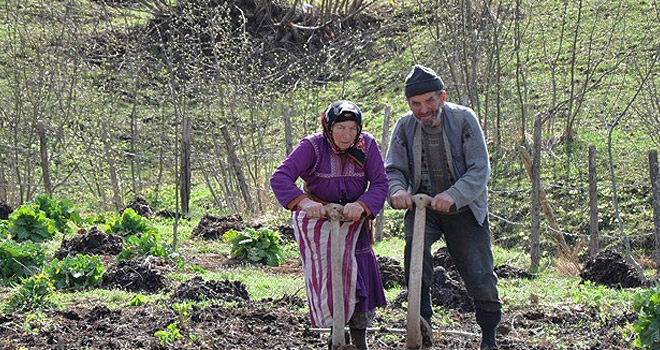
{"x":341,"y":111}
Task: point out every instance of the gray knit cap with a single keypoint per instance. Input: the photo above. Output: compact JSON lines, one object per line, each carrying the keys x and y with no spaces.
{"x":421,"y":80}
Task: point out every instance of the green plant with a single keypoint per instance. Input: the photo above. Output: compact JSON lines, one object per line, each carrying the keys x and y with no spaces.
{"x":18,"y":260}
{"x":4,"y":229}
{"x":129,"y":223}
{"x":61,"y":211}
{"x":33,"y":293}
{"x":76,"y":272}
{"x":28,"y":222}
{"x":170,"y":335}
{"x":137,"y":300}
{"x":647,"y":325}
{"x":262,"y":245}
{"x":183,"y":312}
{"x":146,"y":244}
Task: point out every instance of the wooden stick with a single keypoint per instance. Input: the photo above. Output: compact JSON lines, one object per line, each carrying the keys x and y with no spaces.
{"x":334,"y":213}
{"x":414,"y":332}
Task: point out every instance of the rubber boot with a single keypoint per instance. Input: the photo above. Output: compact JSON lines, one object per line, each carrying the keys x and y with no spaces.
{"x":346,"y":338}
{"x":488,"y":321}
{"x":359,"y":338}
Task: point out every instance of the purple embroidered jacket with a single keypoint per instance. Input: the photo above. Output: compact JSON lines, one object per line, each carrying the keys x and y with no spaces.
{"x":336,"y":179}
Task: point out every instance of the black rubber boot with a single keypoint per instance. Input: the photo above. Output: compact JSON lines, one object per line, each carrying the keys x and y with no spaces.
{"x":359,"y":338}
{"x":346,"y":338}
{"x":488,"y":321}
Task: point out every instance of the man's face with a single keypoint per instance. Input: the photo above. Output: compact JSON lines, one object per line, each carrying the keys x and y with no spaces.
{"x":425,"y":107}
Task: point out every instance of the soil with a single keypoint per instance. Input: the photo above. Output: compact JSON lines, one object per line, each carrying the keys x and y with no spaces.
{"x":391,"y":272}
{"x":610,"y":269}
{"x":213,"y":226}
{"x":198,"y":289}
{"x":141,"y":207}
{"x":138,"y":275}
{"x":5,"y":210}
{"x":90,"y":242}
{"x":268,"y":324}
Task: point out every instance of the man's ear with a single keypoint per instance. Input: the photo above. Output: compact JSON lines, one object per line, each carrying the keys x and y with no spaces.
{"x":443,"y":95}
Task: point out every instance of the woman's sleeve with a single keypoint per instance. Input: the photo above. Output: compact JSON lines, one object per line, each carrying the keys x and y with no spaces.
{"x":374,"y":197}
{"x":283,"y":181}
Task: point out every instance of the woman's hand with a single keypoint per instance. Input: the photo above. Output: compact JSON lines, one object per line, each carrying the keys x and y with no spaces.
{"x":353,"y":211}
{"x":312,"y":209}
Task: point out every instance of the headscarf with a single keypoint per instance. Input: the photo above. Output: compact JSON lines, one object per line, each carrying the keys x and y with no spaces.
{"x":341,"y":111}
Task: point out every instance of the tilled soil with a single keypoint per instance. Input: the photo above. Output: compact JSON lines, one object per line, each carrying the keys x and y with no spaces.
{"x":611,"y":269}
{"x":279,"y":325}
{"x":138,"y":275}
{"x":5,"y":210}
{"x":90,"y":242}
{"x":213,"y":226}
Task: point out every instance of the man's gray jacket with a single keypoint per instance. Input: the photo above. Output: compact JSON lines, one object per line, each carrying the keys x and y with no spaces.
{"x":466,"y":153}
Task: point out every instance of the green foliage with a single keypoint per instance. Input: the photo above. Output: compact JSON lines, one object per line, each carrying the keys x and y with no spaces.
{"x":183,"y":312}
{"x":647,"y":325}
{"x":18,"y":260}
{"x":61,"y":211}
{"x":4,"y":229}
{"x":262,"y":245}
{"x":137,"y":300}
{"x":28,"y":222}
{"x":34,"y":293}
{"x":147,"y":244}
{"x":76,"y":272}
{"x":170,"y":335}
{"x":129,"y":223}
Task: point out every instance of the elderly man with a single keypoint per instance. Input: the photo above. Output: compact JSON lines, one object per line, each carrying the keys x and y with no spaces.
{"x":438,"y":148}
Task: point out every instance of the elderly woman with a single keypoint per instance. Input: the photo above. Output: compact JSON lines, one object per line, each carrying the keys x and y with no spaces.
{"x":340,"y":165}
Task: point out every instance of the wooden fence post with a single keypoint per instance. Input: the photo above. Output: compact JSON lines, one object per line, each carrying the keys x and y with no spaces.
{"x":236,"y":166}
{"x":655,"y":185}
{"x":535,"y":239}
{"x":593,"y":204}
{"x":383,"y":151}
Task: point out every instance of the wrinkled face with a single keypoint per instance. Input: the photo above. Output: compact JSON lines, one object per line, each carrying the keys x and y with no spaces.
{"x":425,"y":107}
{"x":344,"y":133}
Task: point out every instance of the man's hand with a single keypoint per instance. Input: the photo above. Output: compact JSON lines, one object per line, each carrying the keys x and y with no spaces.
{"x":401,"y":200}
{"x":442,"y":202}
{"x":353,"y":211}
{"x":312,"y":209}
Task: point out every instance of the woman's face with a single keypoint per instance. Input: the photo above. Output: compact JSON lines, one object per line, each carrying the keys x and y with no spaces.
{"x":344,"y":133}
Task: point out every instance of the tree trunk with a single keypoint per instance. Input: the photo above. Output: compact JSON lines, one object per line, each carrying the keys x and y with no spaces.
{"x":110,"y":160}
{"x":383,"y":151}
{"x":655,"y":185}
{"x":238,"y":171}
{"x":4,"y":184}
{"x":43,"y":151}
{"x":186,"y":171}
{"x":593,"y":204}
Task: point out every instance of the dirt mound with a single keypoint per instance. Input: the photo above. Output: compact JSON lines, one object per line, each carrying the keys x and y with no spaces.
{"x":169,"y":214}
{"x":5,"y":210}
{"x":213,"y":227}
{"x":508,"y":271}
{"x":442,"y":258}
{"x":285,"y":301}
{"x":90,"y":242}
{"x":141,"y":207}
{"x":137,"y":275}
{"x":286,"y":232}
{"x":610,"y":269}
{"x":391,"y":272}
{"x":198,"y":289}
{"x":449,"y":292}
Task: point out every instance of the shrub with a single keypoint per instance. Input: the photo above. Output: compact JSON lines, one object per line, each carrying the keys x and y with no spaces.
{"x":129,"y":223}
{"x":262,"y":245}
{"x":29,"y":223}
{"x":60,"y":211}
{"x":170,"y":335}
{"x":647,"y":325}
{"x":35,"y":292}
{"x":147,"y":244}
{"x":76,"y":272}
{"x":4,"y":229}
{"x":18,"y":260}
